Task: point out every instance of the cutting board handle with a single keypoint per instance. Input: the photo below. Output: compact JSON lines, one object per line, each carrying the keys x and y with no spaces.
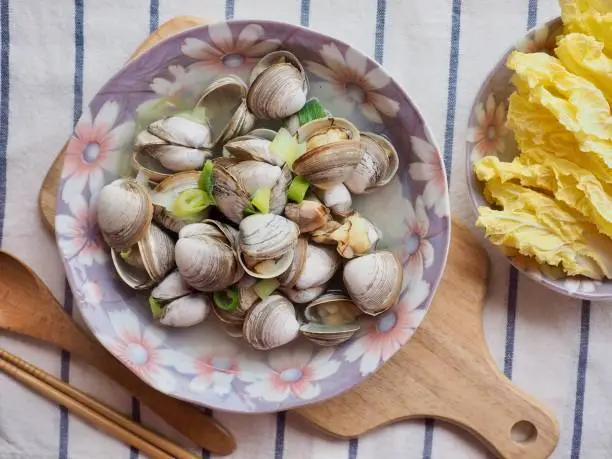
{"x":446,"y":372}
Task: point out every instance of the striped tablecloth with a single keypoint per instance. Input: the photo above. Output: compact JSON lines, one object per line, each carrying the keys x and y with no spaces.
{"x":56,"y":54}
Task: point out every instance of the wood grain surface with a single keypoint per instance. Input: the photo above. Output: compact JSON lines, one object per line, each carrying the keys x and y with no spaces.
{"x":444,"y":372}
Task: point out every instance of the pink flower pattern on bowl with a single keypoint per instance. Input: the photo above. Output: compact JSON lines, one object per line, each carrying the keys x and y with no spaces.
{"x":201,"y":364}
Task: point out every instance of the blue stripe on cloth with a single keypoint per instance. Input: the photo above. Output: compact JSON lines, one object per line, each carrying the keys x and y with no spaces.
{"x":65,"y":375}
{"x":229,"y":9}
{"x":449,"y":133}
{"x":153,"y":15}
{"x":510,"y":321}
{"x":583,"y":356}
{"x":353,"y":448}
{"x":134,"y":453}
{"x":5,"y":46}
{"x":205,"y":453}
{"x":532,"y":14}
{"x":279,"y":444}
{"x":305,"y":13}
{"x":379,"y":42}
{"x":77,"y":110}
{"x":428,"y":443}
{"x":451,"y":103}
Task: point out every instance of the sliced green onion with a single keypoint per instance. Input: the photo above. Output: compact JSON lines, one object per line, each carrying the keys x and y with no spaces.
{"x":300,"y":149}
{"x":312,"y":110}
{"x":197,"y":115}
{"x":205,"y":182}
{"x":264,"y":288}
{"x":156,"y":308}
{"x":228,"y":299}
{"x":249,"y":209}
{"x":297,"y":189}
{"x":261,"y":200}
{"x":125,"y":253}
{"x":190,"y":203}
{"x":284,"y":146}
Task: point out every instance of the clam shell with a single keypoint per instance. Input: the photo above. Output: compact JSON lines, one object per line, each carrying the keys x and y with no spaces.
{"x":145,"y":138}
{"x":332,"y":163}
{"x":177,"y":158}
{"x":230,"y":197}
{"x":157,"y":251}
{"x":206,"y":263}
{"x":271,"y":323}
{"x":377,"y":166}
{"x":278,"y":89}
{"x":133,"y":277}
{"x":250,"y":147}
{"x":291,"y":275}
{"x":357,"y":236}
{"x":186,"y":311}
{"x":253,"y":175}
{"x":337,"y":199}
{"x":278,"y":198}
{"x":267,"y":236}
{"x":332,"y":309}
{"x":171,"y":288}
{"x":320,"y":266}
{"x":125,"y":212}
{"x":152,"y":169}
{"x":329,"y":335}
{"x":268,"y":268}
{"x":225,"y":104}
{"x":373,"y":281}
{"x":303,"y":296}
{"x":178,"y":130}
{"x":308,"y":215}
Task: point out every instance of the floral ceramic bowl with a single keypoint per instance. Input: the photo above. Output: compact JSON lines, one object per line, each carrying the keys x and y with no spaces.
{"x":201,"y":364}
{"x":488,"y":135}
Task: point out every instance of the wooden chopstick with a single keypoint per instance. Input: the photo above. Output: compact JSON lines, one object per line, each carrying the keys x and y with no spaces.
{"x":91,"y":410}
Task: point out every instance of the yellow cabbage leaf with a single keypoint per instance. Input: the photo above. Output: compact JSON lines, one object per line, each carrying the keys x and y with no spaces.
{"x":563,"y":221}
{"x":567,"y":182}
{"x":591,"y":17}
{"x":535,"y":127}
{"x":523,"y":231}
{"x":584,"y":56}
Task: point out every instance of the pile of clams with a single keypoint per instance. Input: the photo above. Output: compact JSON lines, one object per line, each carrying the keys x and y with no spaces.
{"x":225,"y":216}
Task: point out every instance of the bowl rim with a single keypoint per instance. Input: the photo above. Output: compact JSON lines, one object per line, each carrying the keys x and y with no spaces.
{"x":426,"y":304}
{"x":474,"y":187}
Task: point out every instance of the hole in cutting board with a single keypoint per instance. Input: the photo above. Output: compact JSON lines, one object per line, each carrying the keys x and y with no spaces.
{"x":523,"y":432}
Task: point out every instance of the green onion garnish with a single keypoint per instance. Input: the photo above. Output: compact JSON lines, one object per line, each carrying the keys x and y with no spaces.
{"x":297,"y":189}
{"x":190,"y":203}
{"x":312,"y":110}
{"x":205,"y":182}
{"x":156,"y":308}
{"x":286,"y":147}
{"x":261,"y":200}
{"x":125,"y":253}
{"x":228,"y":299}
{"x":265,"y":287}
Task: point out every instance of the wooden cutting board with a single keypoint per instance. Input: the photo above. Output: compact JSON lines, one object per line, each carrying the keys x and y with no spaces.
{"x":444,"y":372}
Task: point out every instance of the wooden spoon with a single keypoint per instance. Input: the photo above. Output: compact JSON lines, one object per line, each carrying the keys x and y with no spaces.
{"x":27,"y":307}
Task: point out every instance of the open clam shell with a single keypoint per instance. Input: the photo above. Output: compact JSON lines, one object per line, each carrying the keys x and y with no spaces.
{"x":333,"y":151}
{"x":177,"y":130}
{"x":157,"y":252}
{"x":309,"y":215}
{"x":329,"y":335}
{"x":332,"y":309}
{"x":278,"y":86}
{"x":225,"y":106}
{"x":291,"y":275}
{"x":271,"y":323}
{"x":231,"y":199}
{"x":171,"y":288}
{"x":374,"y":281}
{"x":377,"y":167}
{"x":125,"y":212}
{"x":252,"y":147}
{"x":134,"y":277}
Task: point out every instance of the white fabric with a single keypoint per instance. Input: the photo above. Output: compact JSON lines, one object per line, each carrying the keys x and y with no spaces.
{"x":417,"y":50}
